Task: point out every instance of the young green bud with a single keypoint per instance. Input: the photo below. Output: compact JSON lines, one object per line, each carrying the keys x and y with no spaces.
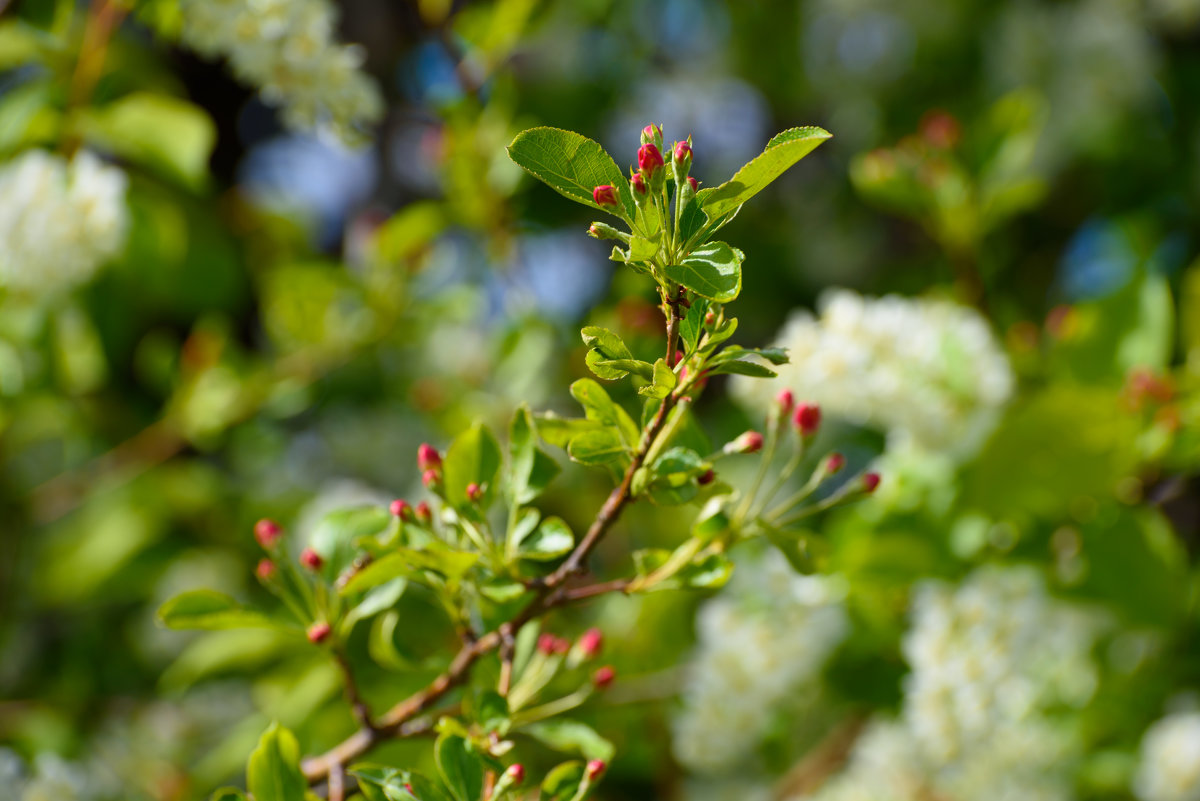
{"x":318,"y":632}
{"x":640,"y":189}
{"x":605,"y":195}
{"x":749,"y":442}
{"x":599,"y":230}
{"x":268,"y":533}
{"x":682,"y":157}
{"x":694,"y":184}
{"x":710,"y":317}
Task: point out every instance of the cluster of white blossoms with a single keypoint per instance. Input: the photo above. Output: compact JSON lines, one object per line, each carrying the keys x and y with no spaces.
{"x":1169,"y":769}
{"x":761,"y":643}
{"x":287,"y":49}
{"x":929,"y":372}
{"x":997,"y":665}
{"x":59,"y":220}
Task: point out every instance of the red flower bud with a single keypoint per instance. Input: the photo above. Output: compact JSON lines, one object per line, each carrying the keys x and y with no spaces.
{"x":786,"y":400}
{"x":678,"y":358}
{"x":311,"y":559}
{"x":267,"y":532}
{"x":834,"y":463}
{"x":694,"y":184}
{"x":706,"y":478}
{"x":603,"y":677}
{"x":591,"y":642}
{"x":424,"y":513}
{"x":650,"y":160}
{"x":474,"y":493}
{"x":428,"y":457}
{"x":870,"y":481}
{"x":265,"y":570}
{"x":710,"y":317}
{"x":652,"y":135}
{"x":516,"y":772}
{"x":547,"y":643}
{"x":807,"y":418}
{"x":400,"y":508}
{"x":605,"y":195}
{"x":318,"y":632}
{"x":749,"y":442}
{"x":595,"y":769}
{"x":430,"y":478}
{"x":683,"y":153}
{"x":638,"y":184}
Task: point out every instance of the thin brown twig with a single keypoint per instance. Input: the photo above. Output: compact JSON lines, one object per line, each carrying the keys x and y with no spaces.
{"x":362,"y":712}
{"x":549,"y":593}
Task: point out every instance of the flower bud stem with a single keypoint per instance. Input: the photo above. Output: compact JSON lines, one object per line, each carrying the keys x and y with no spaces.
{"x":764,"y":464}
{"x":552,"y":708}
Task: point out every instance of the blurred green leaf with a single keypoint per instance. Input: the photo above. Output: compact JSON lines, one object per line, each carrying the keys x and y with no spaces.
{"x":571,"y":736}
{"x":473,"y":458}
{"x":571,"y":165}
{"x":598,"y":406}
{"x":784,"y":150}
{"x":211,"y":610}
{"x":273,"y":772}
{"x":562,"y":783}
{"x":409,"y":563}
{"x":460,"y":767}
{"x":596,"y":447}
{"x":550,"y":540}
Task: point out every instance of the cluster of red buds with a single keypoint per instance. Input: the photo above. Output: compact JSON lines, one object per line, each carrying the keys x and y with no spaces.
{"x":429,"y":462}
{"x":651,"y":174}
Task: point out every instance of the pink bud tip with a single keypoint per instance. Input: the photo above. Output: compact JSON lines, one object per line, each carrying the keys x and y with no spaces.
{"x":683,"y":152}
{"x":516,"y":772}
{"x":409,"y":789}
{"x":605,"y":195}
{"x":649,"y":159}
{"x":401,"y":509}
{"x":546,"y":643}
{"x":710,"y":317}
{"x":807,"y":418}
{"x":639,"y":184}
{"x":595,"y":769}
{"x":430,"y":478}
{"x":706,"y":478}
{"x":694,"y":184}
{"x":870,"y":481}
{"x":603,"y":677}
{"x":834,"y":463}
{"x":749,"y":442}
{"x":428,"y":457}
{"x":591,"y":642}
{"x":651,"y":132}
{"x":267,"y":532}
{"x":424,"y":513}
{"x":786,"y":401}
{"x":265,"y":570}
{"x":678,"y":358}
{"x":474,"y":493}
{"x":311,"y":559}
{"x":318,"y":632}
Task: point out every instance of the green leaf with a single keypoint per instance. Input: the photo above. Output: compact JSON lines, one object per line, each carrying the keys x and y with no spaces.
{"x":596,"y":447}
{"x":692,"y":325}
{"x":378,"y":599}
{"x":227,"y":794}
{"x":713,"y":271}
{"x":678,"y":465}
{"x":773,"y":355}
{"x":609,"y":358}
{"x":598,"y":406}
{"x":273,"y":772}
{"x":724,"y":332}
{"x":20,"y":43}
{"x":643,"y":248}
{"x":571,"y":165}
{"x":784,"y":150}
{"x":550,"y":540}
{"x":571,"y":736}
{"x":460,"y":767}
{"x":166,"y":134}
{"x":737,"y":367}
{"x":522,"y":447}
{"x":409,"y":563}
{"x":663,"y":383}
{"x":336,"y":536}
{"x":562,"y":783}
{"x":544,"y":471}
{"x":559,"y":431}
{"x":211,"y":610}
{"x":383,"y":783}
{"x":27,"y":115}
{"x":473,"y":458}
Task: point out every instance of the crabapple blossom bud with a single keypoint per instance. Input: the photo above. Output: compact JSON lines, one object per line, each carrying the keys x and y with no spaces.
{"x":694,"y":184}
{"x":785,"y":400}
{"x":590,"y":643}
{"x":311,"y":559}
{"x":428,"y":457}
{"x":749,"y":442}
{"x":550,"y":644}
{"x":474,"y":493}
{"x":683,"y":156}
{"x":267,"y":532}
{"x":431,"y":479}
{"x":834,"y":463}
{"x":265,"y":570}
{"x":605,"y":195}
{"x":652,"y":135}
{"x":516,"y":772}
{"x":870,"y":481}
{"x":401,"y":509}
{"x":424,"y":513}
{"x":595,"y":769}
{"x":807,"y":418}
{"x":599,"y":230}
{"x":638,"y":184}
{"x":318,"y":632}
{"x":650,"y":164}
{"x":706,"y":478}
{"x":603,"y":677}
{"x":710,"y":317}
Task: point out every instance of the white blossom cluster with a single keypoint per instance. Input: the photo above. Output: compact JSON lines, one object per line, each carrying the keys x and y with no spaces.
{"x":287,"y":48}
{"x":763,"y":641}
{"x":990,"y":661}
{"x":929,"y":372}
{"x":60,"y":220}
{"x":1169,"y":769}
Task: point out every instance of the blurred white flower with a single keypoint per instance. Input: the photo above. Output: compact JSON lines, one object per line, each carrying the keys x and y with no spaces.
{"x":929,"y":372}
{"x":763,"y":641}
{"x":1170,"y":761}
{"x":59,"y":220}
{"x":287,"y":49}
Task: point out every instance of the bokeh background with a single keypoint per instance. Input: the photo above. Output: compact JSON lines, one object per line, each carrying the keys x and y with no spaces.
{"x":250,"y":308}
